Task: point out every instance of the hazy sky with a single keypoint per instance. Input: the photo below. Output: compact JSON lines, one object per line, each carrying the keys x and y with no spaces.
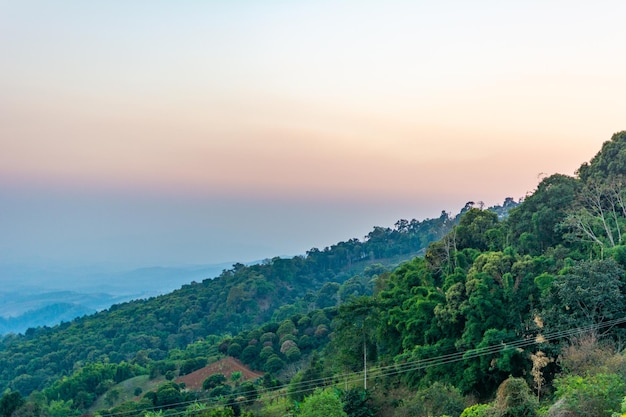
{"x":169,"y":132}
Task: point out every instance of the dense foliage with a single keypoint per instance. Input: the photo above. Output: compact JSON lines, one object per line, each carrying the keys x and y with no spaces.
{"x":500,"y":315}
{"x":240,"y":298}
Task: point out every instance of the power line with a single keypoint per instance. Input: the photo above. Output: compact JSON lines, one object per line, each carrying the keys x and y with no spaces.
{"x":390,"y":370}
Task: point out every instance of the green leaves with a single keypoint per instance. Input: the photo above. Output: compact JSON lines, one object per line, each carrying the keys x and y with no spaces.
{"x":213,"y":381}
{"x":9,"y":402}
{"x":472,"y":229}
{"x":532,"y":225}
{"x":588,"y":293}
{"x":322,"y":403}
{"x":593,"y":395}
{"x":436,"y":400}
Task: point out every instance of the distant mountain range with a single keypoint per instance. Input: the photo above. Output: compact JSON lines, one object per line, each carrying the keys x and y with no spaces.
{"x":36,"y":295}
{"x":33,"y":296}
{"x":48,"y":315}
{"x":462,"y":300}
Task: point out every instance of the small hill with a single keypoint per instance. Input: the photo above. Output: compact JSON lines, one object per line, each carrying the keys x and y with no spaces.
{"x":226,"y":366}
{"x":126,"y":390}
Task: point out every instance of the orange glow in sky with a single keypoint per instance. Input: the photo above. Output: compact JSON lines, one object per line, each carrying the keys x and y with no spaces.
{"x":407,"y":102}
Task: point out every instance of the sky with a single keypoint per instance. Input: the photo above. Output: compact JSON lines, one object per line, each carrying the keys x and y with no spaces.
{"x":144,"y":132}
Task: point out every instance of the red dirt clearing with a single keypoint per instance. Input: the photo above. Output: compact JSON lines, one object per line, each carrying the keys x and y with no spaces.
{"x":226,"y":366}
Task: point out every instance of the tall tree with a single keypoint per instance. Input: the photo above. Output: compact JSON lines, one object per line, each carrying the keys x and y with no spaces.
{"x":9,"y":402}
{"x":599,"y":215}
{"x":532,"y":226}
{"x":355,"y":329}
{"x":587,"y":294}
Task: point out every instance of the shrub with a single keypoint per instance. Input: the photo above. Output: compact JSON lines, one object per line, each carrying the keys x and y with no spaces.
{"x":213,"y":381}
{"x":594,"y":395}
{"x":514,"y":399}
{"x":477,"y":410}
{"x":274,"y":363}
{"x":436,"y":400}
{"x":220,"y":391}
{"x":293,"y":354}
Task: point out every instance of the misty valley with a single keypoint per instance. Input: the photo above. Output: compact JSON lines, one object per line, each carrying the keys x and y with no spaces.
{"x":513,"y":310}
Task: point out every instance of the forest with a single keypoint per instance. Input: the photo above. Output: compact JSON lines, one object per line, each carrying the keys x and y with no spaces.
{"x":515,"y":310}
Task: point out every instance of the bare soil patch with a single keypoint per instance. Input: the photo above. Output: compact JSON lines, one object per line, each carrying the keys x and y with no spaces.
{"x":225,"y":366}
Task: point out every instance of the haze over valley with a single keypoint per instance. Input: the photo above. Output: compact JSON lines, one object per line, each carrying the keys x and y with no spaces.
{"x":271,"y":208}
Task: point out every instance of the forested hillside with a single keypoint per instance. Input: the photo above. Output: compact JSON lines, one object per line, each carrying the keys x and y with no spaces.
{"x":240,"y":298}
{"x":501,"y":315}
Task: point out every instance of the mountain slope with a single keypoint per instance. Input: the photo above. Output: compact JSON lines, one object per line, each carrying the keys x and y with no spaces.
{"x":239,"y":298}
{"x":470,"y":317}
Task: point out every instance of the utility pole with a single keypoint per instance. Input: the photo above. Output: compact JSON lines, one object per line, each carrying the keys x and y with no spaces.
{"x":364,"y":364}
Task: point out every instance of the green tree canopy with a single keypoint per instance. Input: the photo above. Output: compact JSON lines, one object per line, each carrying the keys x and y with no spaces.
{"x":322,"y":403}
{"x":588,"y":293}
